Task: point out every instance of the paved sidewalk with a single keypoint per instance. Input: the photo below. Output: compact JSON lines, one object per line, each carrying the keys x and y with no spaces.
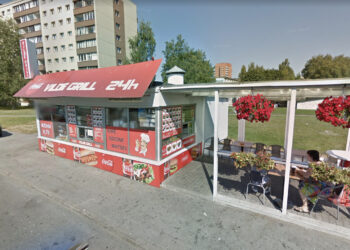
{"x":48,"y":202}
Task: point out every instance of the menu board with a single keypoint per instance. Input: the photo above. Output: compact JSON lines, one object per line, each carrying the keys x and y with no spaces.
{"x":171,"y":121}
{"x":71,"y":115}
{"x":97,"y":117}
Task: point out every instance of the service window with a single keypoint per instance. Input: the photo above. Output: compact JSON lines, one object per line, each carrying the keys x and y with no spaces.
{"x":142,"y":119}
{"x":45,"y":112}
{"x":117,"y":117}
{"x":84,"y":123}
{"x":59,"y":122}
{"x":188,"y":121}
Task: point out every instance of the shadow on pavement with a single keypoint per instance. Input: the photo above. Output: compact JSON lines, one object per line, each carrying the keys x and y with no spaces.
{"x":5,"y":134}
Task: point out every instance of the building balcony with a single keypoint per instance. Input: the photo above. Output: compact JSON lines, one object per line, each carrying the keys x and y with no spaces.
{"x":32,"y":34}
{"x":84,"y":23}
{"x":29,"y":23}
{"x":87,"y":50}
{"x":41,"y":67}
{"x":40,"y":56}
{"x":88,"y":63}
{"x":26,"y":12}
{"x":81,"y":10}
{"x":39,"y":45}
{"x":85,"y":37}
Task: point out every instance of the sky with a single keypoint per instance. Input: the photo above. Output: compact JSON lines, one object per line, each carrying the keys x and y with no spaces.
{"x":263,"y":32}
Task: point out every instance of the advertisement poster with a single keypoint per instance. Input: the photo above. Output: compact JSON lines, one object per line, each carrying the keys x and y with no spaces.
{"x":171,"y":121}
{"x":72,"y":130}
{"x":64,"y":151}
{"x":188,"y":140}
{"x":88,"y":157}
{"x":71,"y":114}
{"x":98,"y":135}
{"x":110,"y":163}
{"x":141,"y":172}
{"x":25,"y":59}
{"x":172,"y":146}
{"x":86,"y":143}
{"x":117,"y":139}
{"x":47,"y":146}
{"x":143,"y":143}
{"x":97,"y":117}
{"x":46,"y":129}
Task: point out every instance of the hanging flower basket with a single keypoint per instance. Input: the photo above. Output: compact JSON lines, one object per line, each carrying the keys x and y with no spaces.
{"x":253,"y":108}
{"x":335,"y":110}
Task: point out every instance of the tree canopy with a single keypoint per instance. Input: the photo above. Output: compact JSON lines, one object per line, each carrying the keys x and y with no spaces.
{"x":11,"y":79}
{"x":142,"y":46}
{"x":258,"y":73}
{"x":327,"y":67}
{"x":198,"y":68}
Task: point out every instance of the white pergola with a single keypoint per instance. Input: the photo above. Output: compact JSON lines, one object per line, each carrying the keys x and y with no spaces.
{"x":290,"y":91}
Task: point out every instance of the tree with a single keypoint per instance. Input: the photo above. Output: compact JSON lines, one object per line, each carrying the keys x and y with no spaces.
{"x":142,"y":46}
{"x":198,"y":68}
{"x":327,"y":67}
{"x":11,"y":79}
{"x":258,"y":73}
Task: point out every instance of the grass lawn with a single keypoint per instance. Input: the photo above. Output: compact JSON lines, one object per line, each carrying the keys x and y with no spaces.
{"x":309,"y":133}
{"x":19,"y":120}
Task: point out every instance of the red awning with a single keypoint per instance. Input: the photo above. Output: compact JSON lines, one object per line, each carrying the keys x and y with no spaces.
{"x":126,"y":81}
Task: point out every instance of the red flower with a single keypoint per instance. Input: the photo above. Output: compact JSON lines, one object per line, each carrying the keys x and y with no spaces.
{"x":335,"y":110}
{"x":253,"y":108}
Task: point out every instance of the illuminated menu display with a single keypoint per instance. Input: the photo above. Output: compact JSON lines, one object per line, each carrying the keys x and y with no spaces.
{"x":71,"y":115}
{"x":171,"y":121}
{"x":97,"y":117}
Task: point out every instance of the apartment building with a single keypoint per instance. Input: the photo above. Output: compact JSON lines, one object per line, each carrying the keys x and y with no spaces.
{"x":78,"y":34}
{"x":223,"y":70}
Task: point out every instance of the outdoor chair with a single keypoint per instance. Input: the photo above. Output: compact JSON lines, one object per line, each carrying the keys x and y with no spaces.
{"x":256,"y":179}
{"x":226,"y":144}
{"x":209,"y":145}
{"x":330,"y":194}
{"x":258,"y":147}
{"x":276,"y":151}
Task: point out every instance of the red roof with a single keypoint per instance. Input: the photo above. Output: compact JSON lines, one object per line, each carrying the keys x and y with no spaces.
{"x":126,"y":81}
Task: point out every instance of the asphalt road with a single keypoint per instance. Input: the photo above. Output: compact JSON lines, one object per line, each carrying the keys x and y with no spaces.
{"x":51,"y":203}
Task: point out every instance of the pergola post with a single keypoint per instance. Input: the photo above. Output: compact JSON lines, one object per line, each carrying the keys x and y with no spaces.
{"x":286,"y":127}
{"x":348,"y":141}
{"x":215,"y":163}
{"x":241,"y":130}
{"x":288,"y":150}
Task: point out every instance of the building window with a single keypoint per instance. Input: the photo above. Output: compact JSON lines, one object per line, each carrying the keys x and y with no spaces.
{"x":59,"y":9}
{"x":69,"y":33}
{"x":71,"y":59}
{"x":87,"y":57}
{"x":48,"y":49}
{"x":69,"y":20}
{"x":86,"y":44}
{"x":53,"y":36}
{"x":85,"y":30}
{"x":49,"y":61}
{"x":61,"y":34}
{"x":119,"y":62}
{"x":39,"y":51}
{"x":61,"y":22}
{"x":119,"y":50}
{"x":43,"y":1}
{"x":52,"y":24}
{"x":84,"y":17}
{"x":27,"y":18}
{"x":36,"y":39}
{"x":45,"y":25}
{"x":63,"y":47}
{"x":47,"y":38}
{"x":44,"y":13}
{"x":52,"y":11}
{"x":67,"y":7}
{"x":55,"y":49}
{"x":64,"y":59}
{"x":83,"y":3}
{"x":117,"y":25}
{"x":70,"y":46}
{"x":25,"y":6}
{"x":57,"y":60}
{"x":116,"y":1}
{"x":116,"y":13}
{"x":117,"y":37}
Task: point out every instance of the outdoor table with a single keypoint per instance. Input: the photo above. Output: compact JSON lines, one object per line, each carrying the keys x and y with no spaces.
{"x":339,"y":154}
{"x":280,"y":170}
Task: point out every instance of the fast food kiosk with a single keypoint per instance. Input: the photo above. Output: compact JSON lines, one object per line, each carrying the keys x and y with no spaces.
{"x":112,"y":119}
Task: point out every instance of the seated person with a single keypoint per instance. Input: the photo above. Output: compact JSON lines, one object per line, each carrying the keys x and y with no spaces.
{"x":308,"y":188}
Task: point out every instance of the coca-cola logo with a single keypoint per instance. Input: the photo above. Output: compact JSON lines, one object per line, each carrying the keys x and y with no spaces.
{"x":45,"y":125}
{"x":107,"y":162}
{"x":185,"y":158}
{"x":62,"y":150}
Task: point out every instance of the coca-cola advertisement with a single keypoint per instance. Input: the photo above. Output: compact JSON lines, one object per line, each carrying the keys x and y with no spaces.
{"x":64,"y":151}
{"x":110,"y":163}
